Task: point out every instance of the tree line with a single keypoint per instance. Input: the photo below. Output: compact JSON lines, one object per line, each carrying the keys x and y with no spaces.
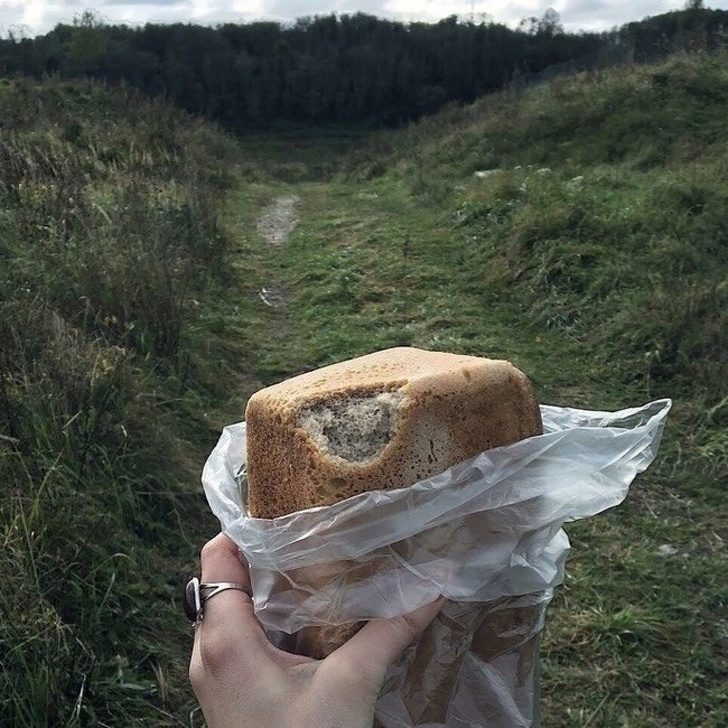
{"x":349,"y":68}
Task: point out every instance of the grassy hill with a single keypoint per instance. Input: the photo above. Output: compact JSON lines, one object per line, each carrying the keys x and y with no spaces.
{"x":600,"y":209}
{"x":111,"y":243}
{"x":132,"y":327}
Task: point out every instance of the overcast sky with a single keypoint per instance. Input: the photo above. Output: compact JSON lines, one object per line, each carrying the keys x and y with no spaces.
{"x":41,"y":15}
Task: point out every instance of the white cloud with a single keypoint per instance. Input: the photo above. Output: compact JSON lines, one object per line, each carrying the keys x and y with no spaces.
{"x":604,"y":14}
{"x":41,"y":15}
{"x":433,"y":10}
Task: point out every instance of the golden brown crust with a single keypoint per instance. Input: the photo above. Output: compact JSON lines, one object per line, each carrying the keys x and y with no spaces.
{"x":454,"y":407}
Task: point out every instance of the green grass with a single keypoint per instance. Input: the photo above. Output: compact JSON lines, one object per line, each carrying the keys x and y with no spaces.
{"x":132,"y":329}
{"x":111,"y":241}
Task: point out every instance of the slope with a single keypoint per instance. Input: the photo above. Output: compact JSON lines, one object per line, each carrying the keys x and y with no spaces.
{"x":112,"y":247}
{"x":593,"y":255}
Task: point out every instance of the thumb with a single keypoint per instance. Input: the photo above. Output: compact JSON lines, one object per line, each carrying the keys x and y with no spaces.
{"x":380,"y":643}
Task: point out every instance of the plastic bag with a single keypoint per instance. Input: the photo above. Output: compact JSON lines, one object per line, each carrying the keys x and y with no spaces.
{"x":486,"y":534}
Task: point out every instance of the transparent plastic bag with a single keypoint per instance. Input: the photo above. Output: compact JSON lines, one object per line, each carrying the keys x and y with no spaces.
{"x":485,"y":533}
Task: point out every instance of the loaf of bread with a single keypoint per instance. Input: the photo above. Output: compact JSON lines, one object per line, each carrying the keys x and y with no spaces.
{"x":385,"y":420}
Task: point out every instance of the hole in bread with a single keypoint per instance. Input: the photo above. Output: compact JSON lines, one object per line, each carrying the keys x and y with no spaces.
{"x":355,"y":428}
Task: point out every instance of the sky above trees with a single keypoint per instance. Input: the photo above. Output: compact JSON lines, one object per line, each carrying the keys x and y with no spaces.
{"x":40,"y":15}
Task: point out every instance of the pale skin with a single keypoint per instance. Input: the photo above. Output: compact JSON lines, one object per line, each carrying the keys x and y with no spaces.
{"x":242,"y":681}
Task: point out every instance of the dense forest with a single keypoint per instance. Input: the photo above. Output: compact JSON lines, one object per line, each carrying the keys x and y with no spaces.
{"x":329,"y":68}
{"x":352,"y":68}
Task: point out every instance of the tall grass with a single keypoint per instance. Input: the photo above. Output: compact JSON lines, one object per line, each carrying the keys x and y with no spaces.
{"x":109,"y":229}
{"x":605,"y":216}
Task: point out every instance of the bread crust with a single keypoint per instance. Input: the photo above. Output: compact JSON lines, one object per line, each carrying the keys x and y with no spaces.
{"x":452,"y":407}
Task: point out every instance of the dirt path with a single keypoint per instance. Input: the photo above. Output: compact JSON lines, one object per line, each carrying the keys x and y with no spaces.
{"x":278,"y":220}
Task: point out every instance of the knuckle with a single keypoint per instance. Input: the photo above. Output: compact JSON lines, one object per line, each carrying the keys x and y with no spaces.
{"x":210,"y":550}
{"x":362,"y":675}
{"x":196,"y":674}
{"x":218,"y":652}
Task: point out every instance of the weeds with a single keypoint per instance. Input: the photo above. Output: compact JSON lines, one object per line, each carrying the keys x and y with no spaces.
{"x":595,"y":259}
{"x":109,"y":227}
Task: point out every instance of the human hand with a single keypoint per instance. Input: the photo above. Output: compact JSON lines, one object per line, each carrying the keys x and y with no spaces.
{"x":243,"y":681}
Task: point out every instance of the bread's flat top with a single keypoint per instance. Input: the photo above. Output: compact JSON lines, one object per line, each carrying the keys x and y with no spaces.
{"x":394,"y":368}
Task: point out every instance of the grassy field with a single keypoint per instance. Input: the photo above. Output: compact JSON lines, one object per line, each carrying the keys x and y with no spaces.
{"x":593,"y":256}
{"x":111,"y":243}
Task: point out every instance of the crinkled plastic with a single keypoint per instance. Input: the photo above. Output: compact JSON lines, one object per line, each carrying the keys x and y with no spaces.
{"x":487,"y":534}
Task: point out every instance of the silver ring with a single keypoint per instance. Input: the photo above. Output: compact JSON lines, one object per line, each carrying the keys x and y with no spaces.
{"x":194,"y":599}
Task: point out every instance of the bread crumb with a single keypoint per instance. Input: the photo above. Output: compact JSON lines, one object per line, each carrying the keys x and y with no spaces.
{"x":355,"y":429}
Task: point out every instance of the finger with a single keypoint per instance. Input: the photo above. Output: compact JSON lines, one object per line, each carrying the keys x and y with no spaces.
{"x":381,"y":642}
{"x":230,"y":631}
{"x":229,"y":641}
{"x":221,"y":561}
